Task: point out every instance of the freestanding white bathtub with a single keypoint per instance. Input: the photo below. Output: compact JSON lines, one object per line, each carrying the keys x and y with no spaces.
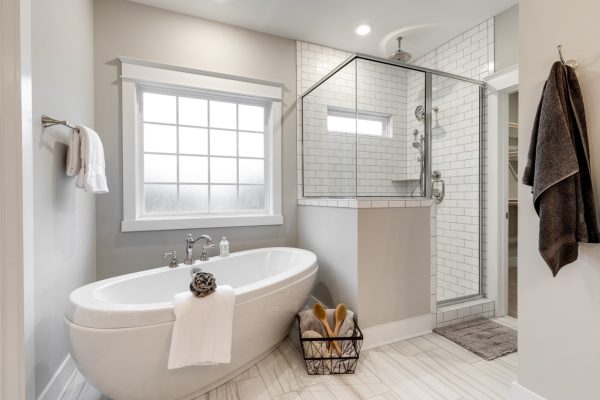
{"x":120,"y":328}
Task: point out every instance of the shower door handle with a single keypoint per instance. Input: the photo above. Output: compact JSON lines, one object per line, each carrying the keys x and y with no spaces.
{"x":438,"y":194}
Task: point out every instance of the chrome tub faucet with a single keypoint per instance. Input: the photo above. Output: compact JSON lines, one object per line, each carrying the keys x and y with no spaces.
{"x":189,"y":248}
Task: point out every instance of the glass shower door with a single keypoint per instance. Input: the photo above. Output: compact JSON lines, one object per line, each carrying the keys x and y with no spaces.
{"x":456,"y":186}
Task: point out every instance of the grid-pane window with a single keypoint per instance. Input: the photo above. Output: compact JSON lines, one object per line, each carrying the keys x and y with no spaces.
{"x":202,"y":154}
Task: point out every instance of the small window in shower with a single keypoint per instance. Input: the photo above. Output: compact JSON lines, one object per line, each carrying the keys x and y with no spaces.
{"x":363,"y":123}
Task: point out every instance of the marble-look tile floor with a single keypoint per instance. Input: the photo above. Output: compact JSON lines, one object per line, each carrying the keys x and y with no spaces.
{"x":426,"y":367}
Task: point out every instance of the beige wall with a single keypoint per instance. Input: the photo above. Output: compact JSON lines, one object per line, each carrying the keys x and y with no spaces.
{"x":64,"y":217}
{"x":376,"y":261}
{"x":506,"y":38}
{"x":559,"y":318}
{"x":394,"y":264}
{"x":126,"y":29}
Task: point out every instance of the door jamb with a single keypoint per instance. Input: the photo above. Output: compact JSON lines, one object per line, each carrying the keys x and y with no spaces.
{"x":17,"y":375}
{"x":499,"y":86}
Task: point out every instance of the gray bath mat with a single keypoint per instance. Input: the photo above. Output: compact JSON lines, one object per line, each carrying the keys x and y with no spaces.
{"x":483,"y":337}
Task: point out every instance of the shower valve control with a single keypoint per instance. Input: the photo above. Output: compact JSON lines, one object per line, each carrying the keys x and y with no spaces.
{"x":438,"y":187}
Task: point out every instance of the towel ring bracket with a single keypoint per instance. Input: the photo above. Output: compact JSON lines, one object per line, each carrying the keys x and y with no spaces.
{"x":49,"y":121}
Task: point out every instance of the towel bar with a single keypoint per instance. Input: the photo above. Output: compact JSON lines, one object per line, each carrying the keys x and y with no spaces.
{"x":49,"y":121}
{"x":62,"y":137}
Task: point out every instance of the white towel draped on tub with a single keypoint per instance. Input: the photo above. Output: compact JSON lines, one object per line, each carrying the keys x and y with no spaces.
{"x":85,"y":158}
{"x":202,"y":329}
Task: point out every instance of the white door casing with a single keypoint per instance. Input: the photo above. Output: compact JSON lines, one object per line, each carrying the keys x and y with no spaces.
{"x":499,"y":86}
{"x":16,"y":210}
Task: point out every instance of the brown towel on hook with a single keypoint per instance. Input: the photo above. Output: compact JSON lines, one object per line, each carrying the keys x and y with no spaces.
{"x":558,"y":169}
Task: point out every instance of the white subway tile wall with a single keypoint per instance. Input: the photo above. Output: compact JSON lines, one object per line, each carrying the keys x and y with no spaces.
{"x":456,"y":154}
{"x":345,"y":164}
{"x":329,"y":158}
{"x":466,"y":311}
{"x":455,"y":146}
{"x":313,"y":62}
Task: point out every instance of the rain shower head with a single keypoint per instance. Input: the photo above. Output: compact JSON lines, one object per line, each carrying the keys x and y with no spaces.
{"x":400,"y":55}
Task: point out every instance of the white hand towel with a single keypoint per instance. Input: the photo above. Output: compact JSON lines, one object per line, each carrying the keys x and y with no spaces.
{"x":203,"y":328}
{"x":74,"y":154}
{"x":92,"y":176}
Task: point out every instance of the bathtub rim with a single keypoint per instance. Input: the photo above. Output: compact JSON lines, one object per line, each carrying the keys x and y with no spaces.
{"x":86,"y":310}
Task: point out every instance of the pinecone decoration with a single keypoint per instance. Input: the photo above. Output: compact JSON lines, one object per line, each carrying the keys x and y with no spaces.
{"x":203,"y":284}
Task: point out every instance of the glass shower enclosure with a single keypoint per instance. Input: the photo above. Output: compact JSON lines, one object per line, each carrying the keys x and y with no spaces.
{"x":375,"y":128}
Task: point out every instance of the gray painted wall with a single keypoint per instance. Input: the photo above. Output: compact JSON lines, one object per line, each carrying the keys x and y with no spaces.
{"x":122,"y":28}
{"x":64,"y":217}
{"x":506,"y":36}
{"x":332,"y":234}
{"x":559,"y":318}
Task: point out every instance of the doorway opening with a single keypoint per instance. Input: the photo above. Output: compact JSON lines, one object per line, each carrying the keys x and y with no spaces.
{"x":513,"y":201}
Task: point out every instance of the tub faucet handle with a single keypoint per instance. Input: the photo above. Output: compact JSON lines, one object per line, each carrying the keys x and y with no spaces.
{"x":173,"y":255}
{"x":189,"y":248}
{"x":204,"y":256}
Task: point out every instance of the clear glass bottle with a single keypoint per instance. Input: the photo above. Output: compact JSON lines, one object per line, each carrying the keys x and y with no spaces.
{"x":224,"y":247}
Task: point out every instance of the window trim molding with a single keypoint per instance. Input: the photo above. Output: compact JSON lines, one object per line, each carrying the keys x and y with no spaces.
{"x":134,"y":73}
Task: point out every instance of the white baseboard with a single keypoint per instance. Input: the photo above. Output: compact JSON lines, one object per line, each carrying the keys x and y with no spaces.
{"x":380,"y":335}
{"x":60,"y":381}
{"x":518,"y":392}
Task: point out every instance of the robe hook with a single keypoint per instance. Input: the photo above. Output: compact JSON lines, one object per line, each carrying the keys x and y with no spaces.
{"x":571,"y":63}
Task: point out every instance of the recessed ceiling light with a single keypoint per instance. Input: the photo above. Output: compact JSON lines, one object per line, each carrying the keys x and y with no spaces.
{"x":363,"y":29}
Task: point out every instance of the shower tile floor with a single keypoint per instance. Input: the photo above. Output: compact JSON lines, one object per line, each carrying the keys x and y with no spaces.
{"x":426,"y":367}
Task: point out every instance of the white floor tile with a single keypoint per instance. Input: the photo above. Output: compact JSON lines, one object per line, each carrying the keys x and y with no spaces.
{"x":428,"y":367}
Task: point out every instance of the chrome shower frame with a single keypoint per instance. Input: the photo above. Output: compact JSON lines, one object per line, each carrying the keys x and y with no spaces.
{"x":428,"y":128}
{"x":428,"y":111}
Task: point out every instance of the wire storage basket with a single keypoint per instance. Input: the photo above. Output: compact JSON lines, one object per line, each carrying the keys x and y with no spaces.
{"x":321,"y":357}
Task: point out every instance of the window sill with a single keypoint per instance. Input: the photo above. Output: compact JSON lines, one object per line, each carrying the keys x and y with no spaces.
{"x":222,"y":221}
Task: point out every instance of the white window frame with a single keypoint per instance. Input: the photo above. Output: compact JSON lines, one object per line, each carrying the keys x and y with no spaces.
{"x":365,"y":115}
{"x":135,"y":74}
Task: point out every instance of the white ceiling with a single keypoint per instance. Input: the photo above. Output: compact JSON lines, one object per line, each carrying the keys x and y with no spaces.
{"x":425,"y":24}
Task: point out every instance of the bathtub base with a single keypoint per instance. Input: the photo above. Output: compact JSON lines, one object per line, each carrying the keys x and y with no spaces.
{"x":128,"y":364}
{"x":232,"y":375}
{"x":131,"y":363}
